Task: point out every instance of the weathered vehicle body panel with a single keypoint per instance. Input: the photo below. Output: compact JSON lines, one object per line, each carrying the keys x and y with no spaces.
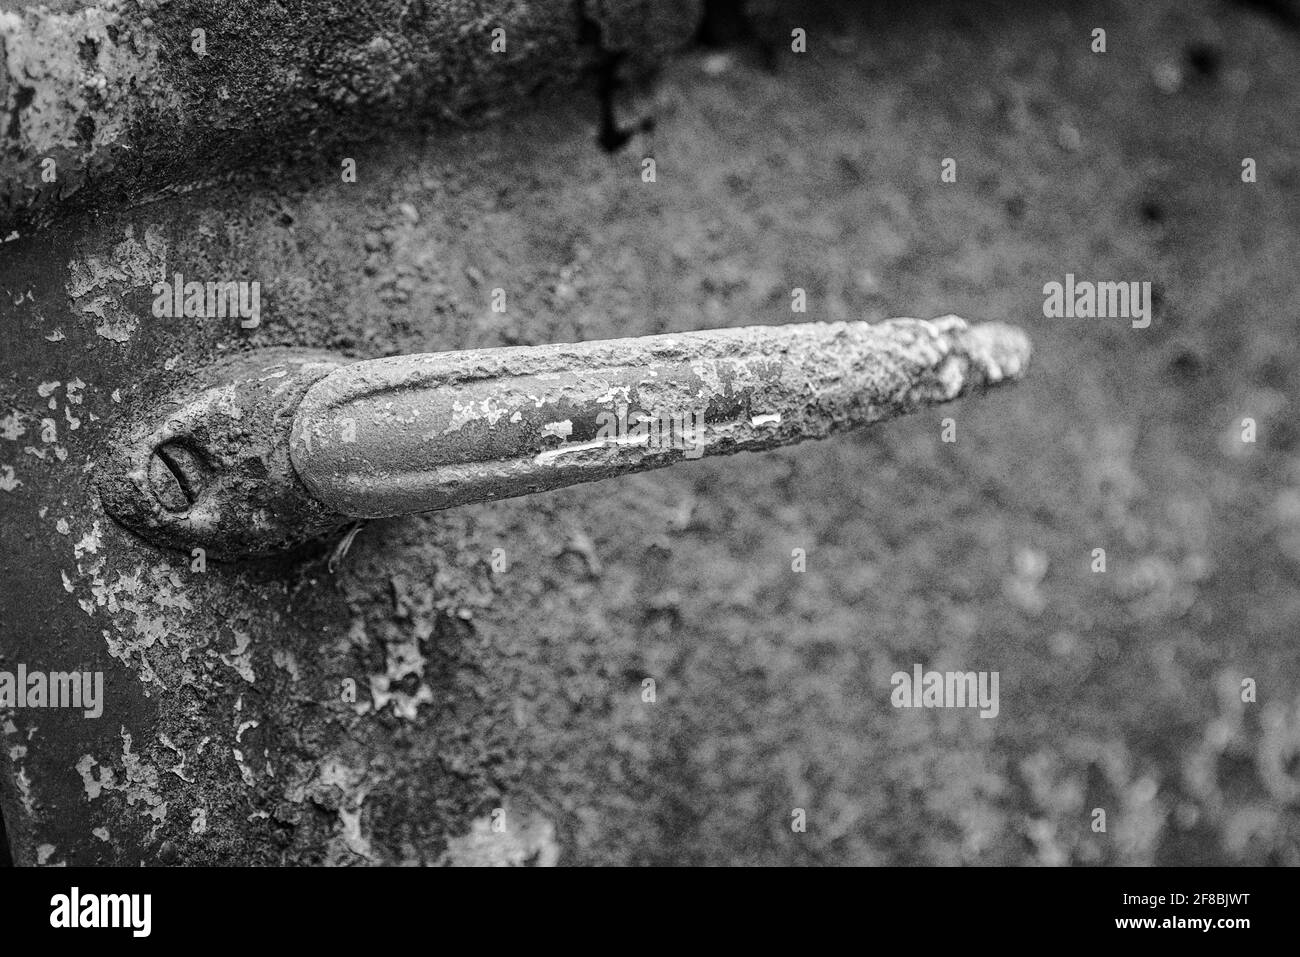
{"x":488,"y":664}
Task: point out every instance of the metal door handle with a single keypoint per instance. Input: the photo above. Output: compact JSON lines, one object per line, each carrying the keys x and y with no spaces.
{"x":271,"y":449}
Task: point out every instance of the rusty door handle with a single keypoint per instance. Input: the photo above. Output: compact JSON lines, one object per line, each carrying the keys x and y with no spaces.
{"x":271,"y":449}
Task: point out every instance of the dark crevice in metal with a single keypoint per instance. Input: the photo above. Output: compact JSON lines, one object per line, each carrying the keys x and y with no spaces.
{"x":607,"y":66}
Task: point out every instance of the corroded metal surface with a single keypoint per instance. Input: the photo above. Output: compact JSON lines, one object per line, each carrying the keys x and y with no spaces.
{"x":226,"y":736}
{"x":148,"y":98}
{"x":414,"y":433}
{"x":425,"y":432}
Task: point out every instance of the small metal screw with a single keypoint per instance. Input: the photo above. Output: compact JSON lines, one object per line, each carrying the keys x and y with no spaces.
{"x":177,"y":476}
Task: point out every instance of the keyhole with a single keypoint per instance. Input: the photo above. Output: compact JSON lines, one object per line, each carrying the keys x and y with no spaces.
{"x":177,"y":475}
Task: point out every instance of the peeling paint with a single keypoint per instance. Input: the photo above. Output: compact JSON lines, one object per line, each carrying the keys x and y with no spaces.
{"x":89,"y":543}
{"x":240,"y":658}
{"x":11,"y":426}
{"x":98,"y":285}
{"x":561,"y":430}
{"x":527,"y":842}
